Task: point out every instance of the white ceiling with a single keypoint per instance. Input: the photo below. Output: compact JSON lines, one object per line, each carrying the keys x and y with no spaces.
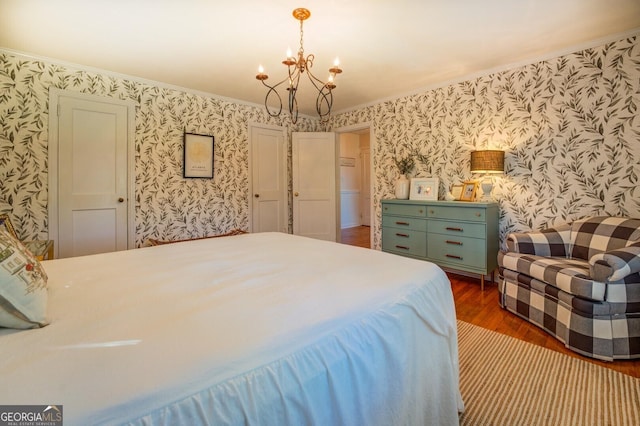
{"x":386,"y":48}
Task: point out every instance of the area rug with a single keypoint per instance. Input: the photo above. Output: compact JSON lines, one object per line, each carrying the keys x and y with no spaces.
{"x":506,"y":381}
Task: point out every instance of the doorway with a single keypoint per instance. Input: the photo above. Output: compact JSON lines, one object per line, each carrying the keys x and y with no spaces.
{"x":356,"y":206}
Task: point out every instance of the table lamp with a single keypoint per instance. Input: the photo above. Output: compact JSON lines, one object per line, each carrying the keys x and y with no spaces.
{"x":487,"y":162}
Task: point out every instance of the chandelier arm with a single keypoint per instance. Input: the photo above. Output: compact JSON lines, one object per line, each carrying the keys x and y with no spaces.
{"x":324,"y":100}
{"x":294,"y":80}
{"x":271,"y":93}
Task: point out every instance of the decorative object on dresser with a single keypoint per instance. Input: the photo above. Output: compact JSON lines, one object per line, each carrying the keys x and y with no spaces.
{"x":456,"y":192}
{"x":580,"y":282}
{"x":469,"y":190}
{"x":424,"y":189}
{"x":454,"y":235}
{"x":487,"y":162}
{"x":405,"y":165}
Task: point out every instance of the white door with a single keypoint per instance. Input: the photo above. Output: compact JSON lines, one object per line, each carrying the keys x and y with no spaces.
{"x":268,"y":179}
{"x":365,"y":192}
{"x":93,"y":194}
{"x":315,"y":208}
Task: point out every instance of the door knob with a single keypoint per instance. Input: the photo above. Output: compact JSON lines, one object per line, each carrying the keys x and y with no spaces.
{"x":121,"y":200}
{"x":257,"y":195}
{"x":295,"y":194}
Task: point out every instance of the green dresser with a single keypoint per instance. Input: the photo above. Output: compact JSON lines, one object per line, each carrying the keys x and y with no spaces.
{"x":455,"y":235}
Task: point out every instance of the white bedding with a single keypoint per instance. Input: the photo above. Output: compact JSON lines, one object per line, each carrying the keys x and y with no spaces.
{"x":267,"y":329}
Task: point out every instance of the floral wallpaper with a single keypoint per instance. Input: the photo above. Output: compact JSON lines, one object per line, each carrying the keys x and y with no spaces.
{"x":569,"y":126}
{"x":167,"y":206}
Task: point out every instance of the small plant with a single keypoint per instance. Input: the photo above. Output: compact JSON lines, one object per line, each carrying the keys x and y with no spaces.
{"x":405,"y":165}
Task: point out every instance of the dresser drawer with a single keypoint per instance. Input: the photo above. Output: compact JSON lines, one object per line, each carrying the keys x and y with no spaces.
{"x":473,"y":214}
{"x":458,"y":229}
{"x":404,"y":210}
{"x":463,"y":251}
{"x":401,"y":241}
{"x":404,"y":223}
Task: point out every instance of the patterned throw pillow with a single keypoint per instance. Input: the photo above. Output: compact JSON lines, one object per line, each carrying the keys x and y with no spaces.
{"x":23,"y":286}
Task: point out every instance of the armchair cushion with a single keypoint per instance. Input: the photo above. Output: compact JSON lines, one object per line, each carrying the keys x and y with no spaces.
{"x":602,"y":234}
{"x":568,"y":275}
{"x":617,"y":263}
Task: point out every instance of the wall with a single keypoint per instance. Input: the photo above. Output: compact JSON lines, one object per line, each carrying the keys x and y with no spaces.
{"x":166,"y":205}
{"x":569,"y":125}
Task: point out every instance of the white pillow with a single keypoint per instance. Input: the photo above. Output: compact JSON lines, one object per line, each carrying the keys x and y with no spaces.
{"x":23,"y":286}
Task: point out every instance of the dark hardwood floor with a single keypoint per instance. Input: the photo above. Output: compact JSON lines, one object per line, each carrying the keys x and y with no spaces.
{"x":357,"y":236}
{"x":482,"y":309}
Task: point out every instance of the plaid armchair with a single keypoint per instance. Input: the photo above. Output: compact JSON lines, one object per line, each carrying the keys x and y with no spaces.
{"x":580,"y":282}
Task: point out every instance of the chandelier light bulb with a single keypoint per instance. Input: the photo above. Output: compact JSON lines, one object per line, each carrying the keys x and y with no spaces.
{"x":336,"y":62}
{"x":260,"y":69}
{"x":289,"y":54}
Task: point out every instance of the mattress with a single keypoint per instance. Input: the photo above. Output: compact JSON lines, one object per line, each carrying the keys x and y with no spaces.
{"x":265,"y":329}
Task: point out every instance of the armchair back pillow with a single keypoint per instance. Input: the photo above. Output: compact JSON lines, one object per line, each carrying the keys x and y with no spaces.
{"x":601,"y":234}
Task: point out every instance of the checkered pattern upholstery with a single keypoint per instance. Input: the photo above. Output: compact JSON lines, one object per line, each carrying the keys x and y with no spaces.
{"x":622,"y":262}
{"x":549,"y":242}
{"x":568,"y":275}
{"x":599,"y":330}
{"x":602,"y":234}
{"x":579,"y":282}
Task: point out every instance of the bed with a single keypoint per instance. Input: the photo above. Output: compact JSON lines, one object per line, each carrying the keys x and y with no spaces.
{"x":264,"y":329}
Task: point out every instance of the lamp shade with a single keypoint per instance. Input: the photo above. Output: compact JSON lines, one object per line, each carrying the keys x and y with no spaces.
{"x":487,"y":161}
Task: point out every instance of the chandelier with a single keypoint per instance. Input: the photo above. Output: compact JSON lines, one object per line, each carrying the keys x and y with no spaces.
{"x":296,"y":66}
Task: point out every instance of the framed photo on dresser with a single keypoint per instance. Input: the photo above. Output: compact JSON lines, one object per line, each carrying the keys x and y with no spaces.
{"x":424,"y":189}
{"x":469,"y":191}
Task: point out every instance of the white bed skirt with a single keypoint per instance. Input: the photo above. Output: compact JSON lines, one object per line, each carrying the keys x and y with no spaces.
{"x":259,"y":329}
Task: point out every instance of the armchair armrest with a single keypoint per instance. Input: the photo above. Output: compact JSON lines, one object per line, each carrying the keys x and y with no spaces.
{"x":616,"y":264}
{"x":549,"y":242}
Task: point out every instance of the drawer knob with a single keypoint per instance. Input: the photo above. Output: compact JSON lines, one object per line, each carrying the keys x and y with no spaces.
{"x":457,"y":243}
{"x":420,"y":211}
{"x":478,"y":214}
{"x":431,"y":211}
{"x":402,"y":235}
{"x":453,"y":256}
{"x":448,"y":228}
{"x":402,"y":247}
{"x":402,"y":223}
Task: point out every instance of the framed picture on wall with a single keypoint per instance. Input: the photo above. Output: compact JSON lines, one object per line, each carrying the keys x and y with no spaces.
{"x":198,"y":156}
{"x":469,"y":191}
{"x":424,"y":189}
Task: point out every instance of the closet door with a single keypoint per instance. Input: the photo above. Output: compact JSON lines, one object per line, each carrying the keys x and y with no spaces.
{"x":268,"y":161}
{"x":315,"y":189}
